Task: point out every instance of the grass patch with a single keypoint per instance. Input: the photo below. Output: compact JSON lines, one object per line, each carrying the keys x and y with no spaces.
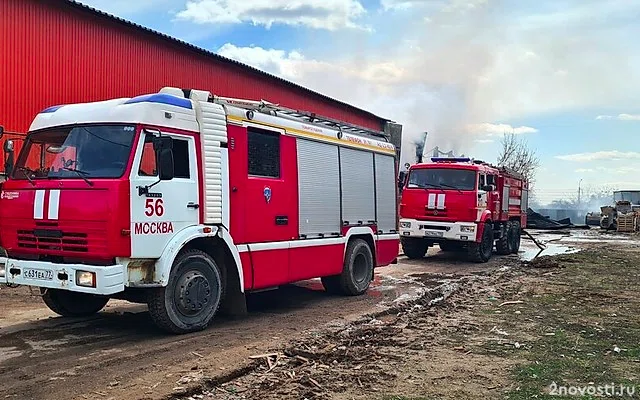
{"x":583,"y":326}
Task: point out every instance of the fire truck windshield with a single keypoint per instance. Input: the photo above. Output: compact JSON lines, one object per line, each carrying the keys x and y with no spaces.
{"x":86,"y":152}
{"x":442,"y":178}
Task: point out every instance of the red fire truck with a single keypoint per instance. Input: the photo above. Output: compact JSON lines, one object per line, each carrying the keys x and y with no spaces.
{"x":462,"y":205}
{"x":187,"y":201}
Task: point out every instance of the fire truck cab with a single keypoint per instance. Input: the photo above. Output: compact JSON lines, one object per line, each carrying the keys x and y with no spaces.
{"x":186,"y":201}
{"x":463,"y":206}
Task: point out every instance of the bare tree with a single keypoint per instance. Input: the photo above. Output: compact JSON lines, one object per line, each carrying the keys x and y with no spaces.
{"x":516,"y":154}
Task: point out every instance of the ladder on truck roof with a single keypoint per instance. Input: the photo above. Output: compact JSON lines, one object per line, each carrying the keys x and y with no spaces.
{"x":504,"y":170}
{"x":266,"y":107}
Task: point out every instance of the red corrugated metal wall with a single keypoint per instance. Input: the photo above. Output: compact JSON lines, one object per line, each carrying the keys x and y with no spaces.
{"x":52,"y":53}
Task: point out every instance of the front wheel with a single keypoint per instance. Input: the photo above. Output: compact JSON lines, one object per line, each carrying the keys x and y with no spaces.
{"x":192,"y":296}
{"x":414,"y":248}
{"x":73,"y":304}
{"x":481,"y":252}
{"x":357,"y":271}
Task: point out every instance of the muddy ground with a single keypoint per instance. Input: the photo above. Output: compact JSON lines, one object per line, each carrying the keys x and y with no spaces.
{"x":436,"y":328}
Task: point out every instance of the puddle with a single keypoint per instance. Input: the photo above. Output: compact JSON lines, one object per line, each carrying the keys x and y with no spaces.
{"x":551,"y":250}
{"x":611,"y":239}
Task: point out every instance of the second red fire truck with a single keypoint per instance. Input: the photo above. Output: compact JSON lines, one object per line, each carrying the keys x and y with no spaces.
{"x":462,"y":205}
{"x":187,"y":201}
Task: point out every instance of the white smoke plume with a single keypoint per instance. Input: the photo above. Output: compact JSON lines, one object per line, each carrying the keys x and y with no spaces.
{"x":462,"y":69}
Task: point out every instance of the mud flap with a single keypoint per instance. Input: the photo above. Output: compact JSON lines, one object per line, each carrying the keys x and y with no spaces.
{"x":234,"y":304}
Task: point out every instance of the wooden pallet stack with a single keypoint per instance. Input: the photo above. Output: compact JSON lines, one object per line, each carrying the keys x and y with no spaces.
{"x":628,"y":222}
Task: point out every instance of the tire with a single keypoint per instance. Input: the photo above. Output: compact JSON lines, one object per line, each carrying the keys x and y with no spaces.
{"x":451,"y":246}
{"x":177,"y":309}
{"x":357,"y":271}
{"x":73,"y":304}
{"x":413,"y":248}
{"x":517,"y":236}
{"x":504,"y":245}
{"x":481,"y":252}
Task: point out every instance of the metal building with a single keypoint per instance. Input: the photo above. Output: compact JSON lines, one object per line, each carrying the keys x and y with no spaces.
{"x":60,"y":51}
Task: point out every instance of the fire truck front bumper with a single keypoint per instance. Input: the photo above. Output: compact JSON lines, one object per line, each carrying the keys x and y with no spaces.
{"x":438,"y":231}
{"x":92,"y":279}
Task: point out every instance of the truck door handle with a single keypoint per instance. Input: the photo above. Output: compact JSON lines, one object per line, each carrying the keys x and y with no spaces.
{"x":193,"y":205}
{"x":282,"y":220}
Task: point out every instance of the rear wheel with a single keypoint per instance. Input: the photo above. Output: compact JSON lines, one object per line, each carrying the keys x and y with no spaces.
{"x":414,"y":248}
{"x":73,"y":304}
{"x":504,"y":245}
{"x":517,"y":234}
{"x":481,"y":252}
{"x":357,"y":271}
{"x":191,"y":298}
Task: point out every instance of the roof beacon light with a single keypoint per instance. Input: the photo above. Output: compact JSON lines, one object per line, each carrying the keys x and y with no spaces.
{"x":450,"y":159}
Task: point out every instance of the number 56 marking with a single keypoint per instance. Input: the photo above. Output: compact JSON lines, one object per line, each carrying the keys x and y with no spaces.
{"x":154,"y":207}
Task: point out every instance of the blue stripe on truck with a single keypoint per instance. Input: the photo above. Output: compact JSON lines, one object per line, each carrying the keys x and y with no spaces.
{"x":162,"y":99}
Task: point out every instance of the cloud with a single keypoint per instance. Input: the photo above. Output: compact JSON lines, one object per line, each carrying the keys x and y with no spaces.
{"x":620,"y":117}
{"x":278,"y":62}
{"x":126,"y":8}
{"x":489,"y":129}
{"x":445,"y":6}
{"x":488,"y":63}
{"x":612,"y":155}
{"x":318,"y":14}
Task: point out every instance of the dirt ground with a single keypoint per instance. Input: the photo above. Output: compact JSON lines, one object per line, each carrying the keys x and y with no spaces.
{"x":435,"y":328}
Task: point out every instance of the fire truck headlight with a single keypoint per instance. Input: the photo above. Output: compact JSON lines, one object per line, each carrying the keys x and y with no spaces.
{"x":468,"y":228}
{"x":86,"y":279}
{"x":405,"y":224}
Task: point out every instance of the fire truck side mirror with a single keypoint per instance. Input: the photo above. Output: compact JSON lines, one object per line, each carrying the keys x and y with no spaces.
{"x":489,"y":188}
{"x":163,"y":146}
{"x":8,"y":148}
{"x":401,"y":178}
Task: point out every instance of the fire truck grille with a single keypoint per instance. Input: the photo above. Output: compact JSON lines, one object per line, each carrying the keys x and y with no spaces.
{"x":53,"y":240}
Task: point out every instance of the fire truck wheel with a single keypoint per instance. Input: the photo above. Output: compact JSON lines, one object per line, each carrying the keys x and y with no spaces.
{"x":73,"y":304}
{"x":504,"y":245}
{"x":192,"y":296}
{"x":357,"y":271}
{"x":516,"y":236}
{"x":481,"y":252}
{"x":414,"y":248}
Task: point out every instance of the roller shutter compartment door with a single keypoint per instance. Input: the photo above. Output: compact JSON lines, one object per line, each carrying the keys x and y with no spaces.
{"x":319,"y":188}
{"x":386,"y":193}
{"x":358,"y":192}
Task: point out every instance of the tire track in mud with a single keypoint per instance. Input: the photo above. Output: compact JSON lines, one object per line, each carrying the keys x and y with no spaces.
{"x":295,"y":355}
{"x":82,"y":358}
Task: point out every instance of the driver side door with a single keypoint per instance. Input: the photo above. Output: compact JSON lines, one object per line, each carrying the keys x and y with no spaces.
{"x":170,"y":206}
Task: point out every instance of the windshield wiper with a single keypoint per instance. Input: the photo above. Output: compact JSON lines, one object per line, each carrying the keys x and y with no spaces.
{"x":81,"y":174}
{"x":444,"y":185}
{"x":26,"y":171}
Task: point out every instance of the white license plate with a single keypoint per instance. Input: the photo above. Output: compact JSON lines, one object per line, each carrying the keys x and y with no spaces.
{"x":39,"y":274}
{"x":433,"y":233}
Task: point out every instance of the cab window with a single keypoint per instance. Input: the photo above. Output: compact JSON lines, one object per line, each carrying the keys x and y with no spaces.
{"x":148,"y":159}
{"x":181,"y":159}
